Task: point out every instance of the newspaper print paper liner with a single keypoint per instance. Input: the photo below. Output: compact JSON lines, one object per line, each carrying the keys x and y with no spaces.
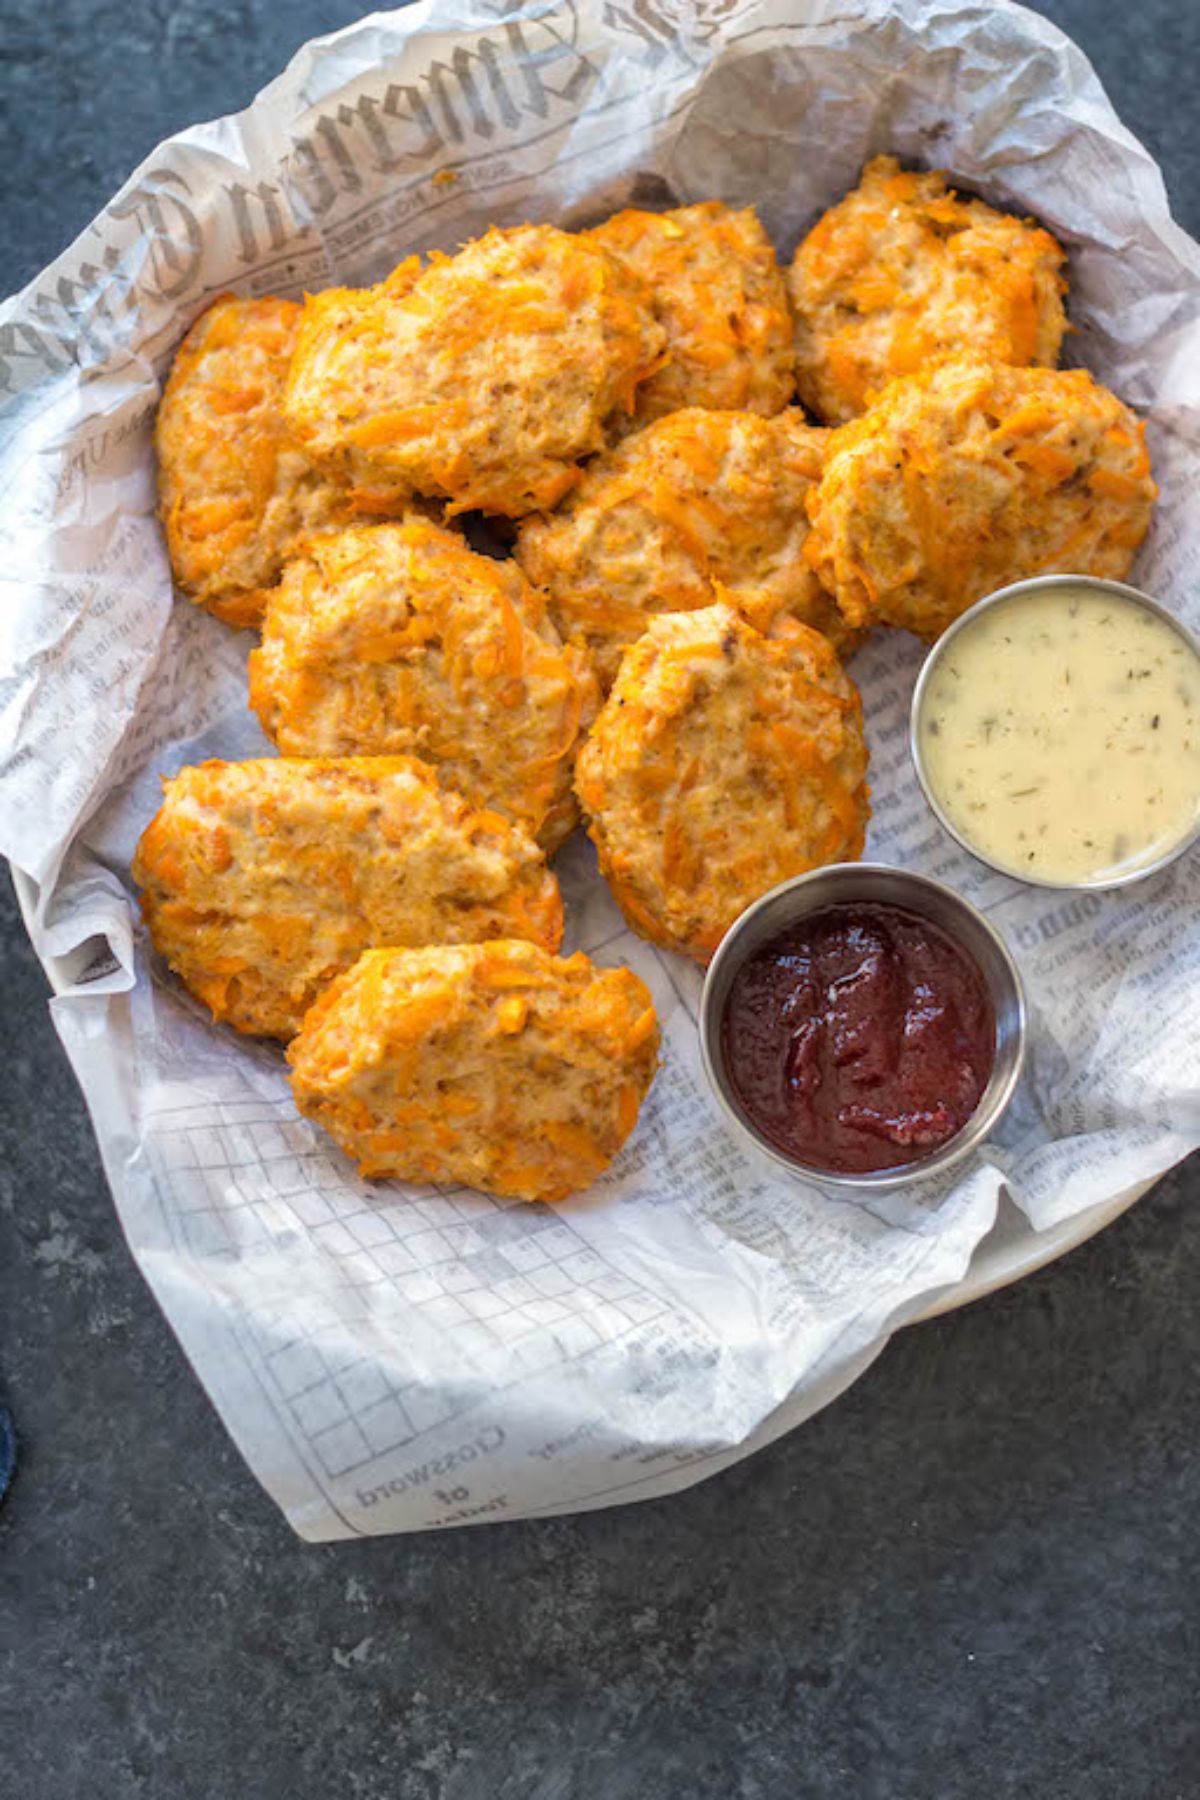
{"x":392,"y":1360}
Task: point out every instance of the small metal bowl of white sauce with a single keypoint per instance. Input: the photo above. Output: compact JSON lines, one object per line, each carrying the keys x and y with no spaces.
{"x":1055,"y":731}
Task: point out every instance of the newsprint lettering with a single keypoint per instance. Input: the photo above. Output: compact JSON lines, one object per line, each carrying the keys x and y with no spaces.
{"x":499,"y":81}
{"x":527,"y":70}
{"x":488,"y":1441}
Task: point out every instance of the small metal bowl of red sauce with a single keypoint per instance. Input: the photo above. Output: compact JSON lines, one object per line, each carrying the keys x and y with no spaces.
{"x":863,"y":1027}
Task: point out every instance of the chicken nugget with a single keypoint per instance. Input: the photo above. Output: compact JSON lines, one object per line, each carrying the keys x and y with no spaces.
{"x":493,"y":1066}
{"x":722,"y":763}
{"x":970,"y":477}
{"x":399,"y":639}
{"x":235,"y":492}
{"x":482,"y":378}
{"x":720,"y":297}
{"x":262,"y":880}
{"x":903,"y":272}
{"x":692,"y":499}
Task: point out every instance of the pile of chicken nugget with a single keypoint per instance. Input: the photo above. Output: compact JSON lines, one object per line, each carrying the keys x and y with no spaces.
{"x":712,"y":477}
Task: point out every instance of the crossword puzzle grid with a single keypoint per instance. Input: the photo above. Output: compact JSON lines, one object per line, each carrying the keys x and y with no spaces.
{"x":481,"y":1276}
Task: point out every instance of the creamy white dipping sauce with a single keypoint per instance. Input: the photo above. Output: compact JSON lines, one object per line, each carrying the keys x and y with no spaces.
{"x":1059,"y":732}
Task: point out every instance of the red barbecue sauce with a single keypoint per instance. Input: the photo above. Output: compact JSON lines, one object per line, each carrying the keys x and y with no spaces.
{"x":861,"y":1038}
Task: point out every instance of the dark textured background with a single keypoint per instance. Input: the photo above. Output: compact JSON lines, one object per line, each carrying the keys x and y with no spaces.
{"x":977,"y":1575}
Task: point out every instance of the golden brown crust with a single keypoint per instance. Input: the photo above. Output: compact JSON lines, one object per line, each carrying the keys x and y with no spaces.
{"x":973,"y":476}
{"x":398,"y":639}
{"x":720,"y":297}
{"x":721,"y":764}
{"x":493,"y":1066}
{"x":262,"y":880}
{"x":236,"y":493}
{"x":696,"y":498}
{"x":901,"y":273}
{"x":483,"y":378}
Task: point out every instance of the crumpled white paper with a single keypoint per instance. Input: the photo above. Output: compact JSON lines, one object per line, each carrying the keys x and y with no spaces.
{"x":391,"y":1360}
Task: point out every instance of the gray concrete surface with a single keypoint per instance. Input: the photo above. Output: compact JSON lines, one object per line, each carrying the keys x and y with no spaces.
{"x":976,"y":1576}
